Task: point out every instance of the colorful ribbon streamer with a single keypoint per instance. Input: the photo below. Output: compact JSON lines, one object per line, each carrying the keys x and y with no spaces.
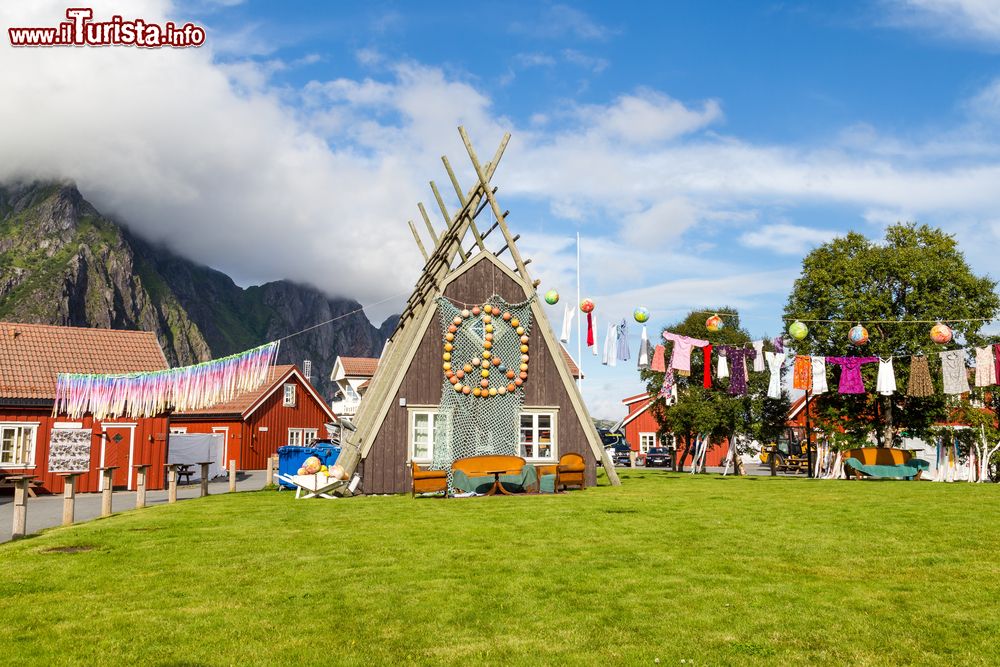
{"x":146,"y":394}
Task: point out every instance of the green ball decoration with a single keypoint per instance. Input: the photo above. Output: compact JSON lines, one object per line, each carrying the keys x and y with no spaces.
{"x":552,"y":297}
{"x":641,"y":315}
{"x":798,"y":330}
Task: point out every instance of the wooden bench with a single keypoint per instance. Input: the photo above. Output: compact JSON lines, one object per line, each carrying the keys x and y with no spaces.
{"x":882,"y":462}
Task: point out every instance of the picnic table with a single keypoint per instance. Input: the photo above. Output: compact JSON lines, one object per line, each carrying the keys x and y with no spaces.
{"x":184,"y":473}
{"x":9,"y":481}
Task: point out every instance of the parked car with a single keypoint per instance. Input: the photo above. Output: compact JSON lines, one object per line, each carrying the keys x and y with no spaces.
{"x":657,"y":456}
{"x":617,"y":447}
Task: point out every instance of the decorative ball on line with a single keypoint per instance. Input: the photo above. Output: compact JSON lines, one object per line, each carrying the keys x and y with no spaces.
{"x":641,"y":315}
{"x":941,"y":333}
{"x":714,"y":323}
{"x":798,"y":330}
{"x":858,"y":335}
{"x":587,"y":306}
{"x":552,"y":297}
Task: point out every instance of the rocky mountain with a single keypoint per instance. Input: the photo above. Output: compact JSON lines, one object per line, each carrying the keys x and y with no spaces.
{"x":62,"y":262}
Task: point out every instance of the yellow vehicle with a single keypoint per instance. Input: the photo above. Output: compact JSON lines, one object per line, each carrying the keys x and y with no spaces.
{"x":790,"y":455}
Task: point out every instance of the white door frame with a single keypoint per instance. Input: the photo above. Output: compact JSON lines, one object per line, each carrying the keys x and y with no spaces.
{"x":131,"y":451}
{"x":224,"y":430}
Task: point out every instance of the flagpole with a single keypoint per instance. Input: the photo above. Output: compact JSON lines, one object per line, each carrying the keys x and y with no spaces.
{"x":579,"y":320}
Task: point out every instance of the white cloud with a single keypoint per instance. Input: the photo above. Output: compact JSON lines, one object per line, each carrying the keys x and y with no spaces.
{"x":786,"y":239}
{"x":977,"y":20}
{"x":560,"y":21}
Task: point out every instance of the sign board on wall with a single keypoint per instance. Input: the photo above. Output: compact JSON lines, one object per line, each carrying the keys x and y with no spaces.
{"x":69,"y":449}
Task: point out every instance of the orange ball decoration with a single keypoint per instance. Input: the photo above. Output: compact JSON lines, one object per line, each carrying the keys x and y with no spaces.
{"x":453,"y":380}
{"x":466,"y":390}
{"x":484,"y":383}
{"x":467,"y":368}
{"x":449,"y":337}
{"x":475,"y":310}
{"x":477,"y":392}
{"x":518,"y":382}
{"x":511,"y":387}
{"x":524,"y":348}
{"x":506,"y":317}
{"x":523,"y":375}
{"x":452,"y":329}
{"x":460,"y":374}
{"x":511,"y":374}
{"x":496,"y":361}
{"x":457,"y":321}
{"x":487,"y":344}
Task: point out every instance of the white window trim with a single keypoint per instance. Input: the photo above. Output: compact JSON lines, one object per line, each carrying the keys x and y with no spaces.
{"x":431,"y":412}
{"x":298,"y":431}
{"x":643,"y":450}
{"x":179,"y":430}
{"x":34,"y":446}
{"x":284,"y":396}
{"x":309,"y":435}
{"x":554,"y":425}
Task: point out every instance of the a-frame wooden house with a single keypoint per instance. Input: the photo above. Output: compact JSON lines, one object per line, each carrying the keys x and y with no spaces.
{"x":396,"y":421}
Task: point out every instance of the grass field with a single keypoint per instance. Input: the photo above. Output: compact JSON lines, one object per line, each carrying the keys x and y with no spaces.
{"x":667,"y":567}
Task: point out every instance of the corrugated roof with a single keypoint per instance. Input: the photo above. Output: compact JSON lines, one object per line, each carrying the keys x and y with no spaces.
{"x":242,"y":402}
{"x":33,"y":355}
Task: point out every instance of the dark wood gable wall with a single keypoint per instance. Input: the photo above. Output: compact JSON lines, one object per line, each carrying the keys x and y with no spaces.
{"x":385,"y":468}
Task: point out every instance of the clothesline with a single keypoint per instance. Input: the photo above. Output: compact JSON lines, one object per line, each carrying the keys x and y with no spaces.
{"x":856,"y":321}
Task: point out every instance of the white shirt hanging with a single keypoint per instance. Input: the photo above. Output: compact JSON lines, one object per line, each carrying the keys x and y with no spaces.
{"x":819,"y":375}
{"x":722,"y":367}
{"x":567,"y":327}
{"x":775,"y":360}
{"x":886,"y":384}
{"x":758,"y":361}
{"x":986,"y":373}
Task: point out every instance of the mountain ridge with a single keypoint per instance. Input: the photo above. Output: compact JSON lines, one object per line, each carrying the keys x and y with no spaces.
{"x":63,"y":262}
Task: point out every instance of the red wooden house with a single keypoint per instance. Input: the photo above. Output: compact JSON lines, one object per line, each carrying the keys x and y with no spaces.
{"x":31,"y":358}
{"x":285,"y":410}
{"x":642,"y":432}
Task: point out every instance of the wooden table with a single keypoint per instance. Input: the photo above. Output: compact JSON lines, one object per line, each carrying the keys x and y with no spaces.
{"x":497,"y":484}
{"x":184,"y":472}
{"x":9,"y":481}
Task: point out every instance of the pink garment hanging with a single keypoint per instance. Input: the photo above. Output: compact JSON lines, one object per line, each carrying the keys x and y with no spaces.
{"x":850,"y":373}
{"x":659,"y":363}
{"x":680,"y":358}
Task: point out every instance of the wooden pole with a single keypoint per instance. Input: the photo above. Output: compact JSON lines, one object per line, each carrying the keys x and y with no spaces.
{"x":107,"y":489}
{"x":69,"y":497}
{"x":141,"y":473}
{"x":21,"y":486}
{"x":204,"y":477}
{"x":232,"y":475}
{"x":171,"y":483}
{"x":269,"y":474}
{"x":416,"y":237}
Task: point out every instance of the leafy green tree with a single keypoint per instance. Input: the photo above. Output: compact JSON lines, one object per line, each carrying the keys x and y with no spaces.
{"x":916,"y":273}
{"x":714,"y":411}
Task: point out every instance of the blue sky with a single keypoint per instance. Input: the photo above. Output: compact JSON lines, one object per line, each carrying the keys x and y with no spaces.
{"x":699,"y":148}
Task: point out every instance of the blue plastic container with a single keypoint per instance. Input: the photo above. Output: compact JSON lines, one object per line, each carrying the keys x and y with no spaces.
{"x":291,"y":458}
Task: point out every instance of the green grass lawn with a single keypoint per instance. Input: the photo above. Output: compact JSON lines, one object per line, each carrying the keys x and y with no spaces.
{"x":667,"y":567}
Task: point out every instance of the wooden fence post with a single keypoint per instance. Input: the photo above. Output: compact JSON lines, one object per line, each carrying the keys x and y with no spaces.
{"x":107,"y":489}
{"x":21,"y":484}
{"x":69,"y":497}
{"x":269,"y":475}
{"x":204,"y":477}
{"x":141,"y":471}
{"x":232,"y":475}
{"x":171,"y":483}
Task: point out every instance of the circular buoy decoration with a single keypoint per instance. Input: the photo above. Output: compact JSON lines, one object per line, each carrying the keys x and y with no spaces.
{"x":714,"y":323}
{"x":641,"y":315}
{"x":552,"y":297}
{"x":858,"y":335}
{"x":798,"y":330}
{"x":587,"y":306}
{"x":941,"y":333}
{"x":464,"y":380}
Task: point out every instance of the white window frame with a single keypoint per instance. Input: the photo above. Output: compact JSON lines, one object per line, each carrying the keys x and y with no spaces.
{"x":179,"y":430}
{"x":309,"y":435}
{"x":28,"y":461}
{"x":297,"y":432}
{"x":288,"y":397}
{"x":554,"y":435}
{"x":644,"y":445}
{"x":433,"y":422}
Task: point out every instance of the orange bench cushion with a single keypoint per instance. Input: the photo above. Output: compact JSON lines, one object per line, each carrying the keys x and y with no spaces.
{"x":477,"y":466}
{"x":879,"y":456}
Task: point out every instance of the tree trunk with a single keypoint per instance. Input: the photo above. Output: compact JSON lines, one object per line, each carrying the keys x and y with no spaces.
{"x":737,"y":459}
{"x":888,"y":432}
{"x":687,"y":448}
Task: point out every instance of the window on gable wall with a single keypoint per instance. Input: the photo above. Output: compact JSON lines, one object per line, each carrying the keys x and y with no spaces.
{"x":538,"y":438}
{"x":289,"y":396}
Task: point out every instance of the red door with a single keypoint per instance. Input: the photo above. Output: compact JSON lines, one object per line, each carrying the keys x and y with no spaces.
{"x":117,"y":452}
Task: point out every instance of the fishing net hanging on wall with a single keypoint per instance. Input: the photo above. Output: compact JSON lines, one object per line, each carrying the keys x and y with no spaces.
{"x":485,"y":364}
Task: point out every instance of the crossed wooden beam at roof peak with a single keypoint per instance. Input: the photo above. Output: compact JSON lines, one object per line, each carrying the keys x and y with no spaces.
{"x":449,"y":243}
